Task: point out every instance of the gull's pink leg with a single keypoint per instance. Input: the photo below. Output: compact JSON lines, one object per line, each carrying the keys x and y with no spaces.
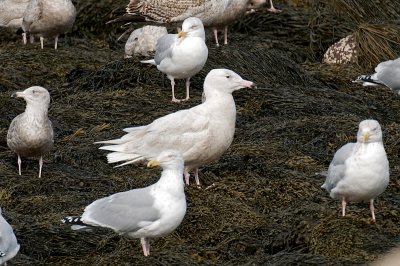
{"x":145,"y":246}
{"x":19,"y":165}
{"x":40,"y":166}
{"x":372,"y":208}
{"x":55,"y":42}
{"x":187,"y":89}
{"x":41,"y":41}
{"x":196,"y":176}
{"x":24,"y":38}
{"x":216,"y":36}
{"x":187,"y":176}
{"x":226,"y":35}
{"x":343,"y":206}
{"x":175,"y":100}
{"x":273,"y":9}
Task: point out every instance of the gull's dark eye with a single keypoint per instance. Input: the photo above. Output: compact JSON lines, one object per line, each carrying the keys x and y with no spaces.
{"x":33,"y":91}
{"x":227,"y":76}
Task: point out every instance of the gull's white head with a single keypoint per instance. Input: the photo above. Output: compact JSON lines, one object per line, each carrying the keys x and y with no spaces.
{"x":37,"y":96}
{"x":168,"y":159}
{"x":192,"y":27}
{"x":224,"y":80}
{"x":369,"y":131}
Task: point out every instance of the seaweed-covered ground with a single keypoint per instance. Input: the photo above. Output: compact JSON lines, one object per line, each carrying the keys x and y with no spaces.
{"x":263,"y":205}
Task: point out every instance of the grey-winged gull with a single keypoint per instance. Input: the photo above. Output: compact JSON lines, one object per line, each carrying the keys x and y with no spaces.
{"x":143,"y":41}
{"x":202,"y":133}
{"x":30,"y":134}
{"x":144,"y":213}
{"x":48,"y":18}
{"x":387,"y":73}
{"x":182,"y":55}
{"x":9,"y":246}
{"x":213,"y":13}
{"x":359,"y":171}
{"x":11,"y":12}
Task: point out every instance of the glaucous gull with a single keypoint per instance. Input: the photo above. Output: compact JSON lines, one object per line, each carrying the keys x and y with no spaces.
{"x":202,"y":133}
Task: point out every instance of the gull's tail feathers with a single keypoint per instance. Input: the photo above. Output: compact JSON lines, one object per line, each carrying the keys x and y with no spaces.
{"x":115,"y":157}
{"x":367,"y":80}
{"x":76,"y":223}
{"x":128,"y":18}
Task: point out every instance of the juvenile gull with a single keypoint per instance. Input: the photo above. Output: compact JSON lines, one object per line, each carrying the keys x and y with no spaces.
{"x":213,"y":13}
{"x":202,"y":133}
{"x":359,"y":171}
{"x":9,"y":246}
{"x":143,"y":41}
{"x":386,"y":73}
{"x":182,"y":55}
{"x":11,"y":12}
{"x":30,"y":134}
{"x":48,"y":18}
{"x":144,"y":213}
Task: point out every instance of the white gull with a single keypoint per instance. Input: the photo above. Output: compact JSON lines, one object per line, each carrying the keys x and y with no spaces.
{"x":202,"y":133}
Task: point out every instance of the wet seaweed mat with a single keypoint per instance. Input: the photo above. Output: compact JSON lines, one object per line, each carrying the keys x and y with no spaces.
{"x":263,"y":205}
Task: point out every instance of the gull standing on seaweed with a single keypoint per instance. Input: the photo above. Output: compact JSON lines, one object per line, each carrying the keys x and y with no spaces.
{"x":48,"y":18}
{"x":359,"y":171}
{"x":386,"y":73}
{"x":30,"y":134}
{"x":9,"y":246}
{"x":181,"y":55}
{"x":213,"y":13}
{"x":11,"y":12}
{"x":144,"y":213}
{"x":202,"y":133}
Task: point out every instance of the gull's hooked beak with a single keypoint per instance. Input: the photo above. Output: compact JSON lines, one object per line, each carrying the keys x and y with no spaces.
{"x":182,"y":34}
{"x":247,"y":84}
{"x":17,"y":94}
{"x":153,"y":163}
{"x":366,"y":137}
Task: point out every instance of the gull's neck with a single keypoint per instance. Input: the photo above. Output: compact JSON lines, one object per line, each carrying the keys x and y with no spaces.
{"x":172,"y":179}
{"x":36,"y":111}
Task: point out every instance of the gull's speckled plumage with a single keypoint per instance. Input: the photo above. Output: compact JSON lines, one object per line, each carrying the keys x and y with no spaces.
{"x":30,"y":134}
{"x":143,"y":41}
{"x":11,"y":12}
{"x":213,"y":13}
{"x":48,"y":18}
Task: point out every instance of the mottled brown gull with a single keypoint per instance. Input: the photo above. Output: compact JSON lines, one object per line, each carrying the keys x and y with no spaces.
{"x":143,"y":41}
{"x":359,"y":171}
{"x":30,"y":134}
{"x":48,"y":18}
{"x":9,"y":246}
{"x":144,"y":213}
{"x":182,"y":55}
{"x":202,"y":133}
{"x":213,"y":13}
{"x":11,"y":12}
